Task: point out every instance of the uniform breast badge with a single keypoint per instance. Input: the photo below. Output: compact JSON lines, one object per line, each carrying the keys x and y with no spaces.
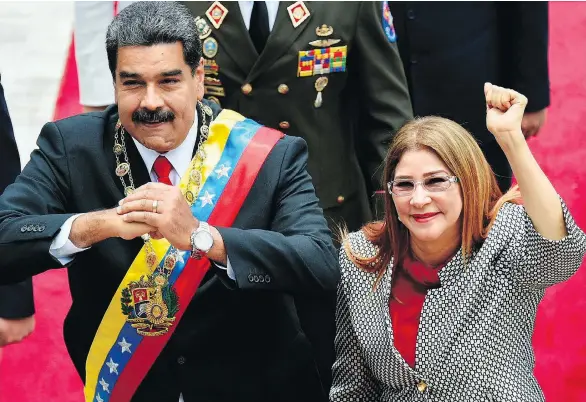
{"x":210,"y":48}
{"x":320,"y":85}
{"x":203,"y":29}
{"x":298,"y":13}
{"x":322,"y":61}
{"x":216,"y":14}
{"x":150,"y":305}
{"x":323,"y":32}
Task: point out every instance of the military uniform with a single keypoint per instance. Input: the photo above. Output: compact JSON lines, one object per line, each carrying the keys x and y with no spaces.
{"x":330,"y":73}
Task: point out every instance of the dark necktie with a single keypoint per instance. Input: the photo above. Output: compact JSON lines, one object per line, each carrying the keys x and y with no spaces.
{"x":162,"y":168}
{"x":259,"y":25}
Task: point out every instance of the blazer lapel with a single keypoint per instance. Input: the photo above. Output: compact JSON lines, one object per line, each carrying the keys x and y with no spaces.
{"x":140,"y":175}
{"x":242,"y":51}
{"x":282,"y":37}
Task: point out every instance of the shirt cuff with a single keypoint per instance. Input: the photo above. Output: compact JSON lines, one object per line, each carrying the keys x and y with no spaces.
{"x":228,"y":269}
{"x":62,"y":248}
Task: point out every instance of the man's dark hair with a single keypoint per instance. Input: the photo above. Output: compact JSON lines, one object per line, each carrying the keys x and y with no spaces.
{"x":148,"y":23}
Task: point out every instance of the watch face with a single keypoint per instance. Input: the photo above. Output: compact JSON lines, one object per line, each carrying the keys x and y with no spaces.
{"x":204,"y":241}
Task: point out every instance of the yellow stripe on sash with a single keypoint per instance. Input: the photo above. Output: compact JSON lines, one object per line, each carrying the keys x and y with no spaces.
{"x":114,"y":319}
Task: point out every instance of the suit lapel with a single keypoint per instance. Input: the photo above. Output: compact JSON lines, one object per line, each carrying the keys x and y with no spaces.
{"x":140,"y":175}
{"x":241,"y":51}
{"x":282,"y":37}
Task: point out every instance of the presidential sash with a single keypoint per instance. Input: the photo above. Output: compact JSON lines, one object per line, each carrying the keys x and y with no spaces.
{"x":128,"y":340}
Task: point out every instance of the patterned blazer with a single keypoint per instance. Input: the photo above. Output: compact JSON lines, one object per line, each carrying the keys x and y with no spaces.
{"x":474,"y":340}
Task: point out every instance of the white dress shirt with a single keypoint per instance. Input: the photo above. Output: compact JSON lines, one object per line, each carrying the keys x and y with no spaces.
{"x":64,"y":250}
{"x":91,"y":23}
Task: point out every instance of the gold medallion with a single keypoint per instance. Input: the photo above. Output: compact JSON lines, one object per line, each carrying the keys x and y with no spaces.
{"x":189,"y":197}
{"x":170,"y":262}
{"x":118,"y":149}
{"x":207,"y":110}
{"x":151,"y":259}
{"x":204,"y":130}
{"x":122,"y":169}
{"x":321,"y":83}
{"x":196,"y":177}
{"x":201,"y":154}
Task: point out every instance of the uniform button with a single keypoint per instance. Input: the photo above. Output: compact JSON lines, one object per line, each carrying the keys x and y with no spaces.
{"x":23,"y":229}
{"x":340,"y":199}
{"x":256,"y":279}
{"x":246,"y":89}
{"x":422,"y":386}
{"x":411,"y":14}
{"x":30,"y":228}
{"x":181,"y":360}
{"x":261,"y":279}
{"x":41,"y":228}
{"x":284,"y":125}
{"x":283,"y":89}
{"x":250,"y":278}
{"x":267,"y":278}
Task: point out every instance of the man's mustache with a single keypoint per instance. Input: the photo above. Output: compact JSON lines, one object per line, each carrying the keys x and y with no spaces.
{"x":152,"y":116}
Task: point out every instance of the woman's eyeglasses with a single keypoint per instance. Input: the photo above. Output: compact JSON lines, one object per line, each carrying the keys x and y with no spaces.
{"x":433,"y":184}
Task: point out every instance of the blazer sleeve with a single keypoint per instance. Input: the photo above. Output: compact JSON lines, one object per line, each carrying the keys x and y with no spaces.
{"x":296,"y":254}
{"x":382,"y":87}
{"x":352,"y":379}
{"x":32,"y":210}
{"x":538,"y":262}
{"x":524,"y":40}
{"x":16,"y":301}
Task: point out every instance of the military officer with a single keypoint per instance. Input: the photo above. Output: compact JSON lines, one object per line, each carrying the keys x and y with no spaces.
{"x":329,"y":72}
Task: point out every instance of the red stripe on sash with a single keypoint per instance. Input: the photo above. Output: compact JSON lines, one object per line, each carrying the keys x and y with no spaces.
{"x":224,"y":213}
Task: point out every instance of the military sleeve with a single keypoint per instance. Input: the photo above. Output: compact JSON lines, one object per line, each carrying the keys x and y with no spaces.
{"x":524,"y":43}
{"x":381,"y":85}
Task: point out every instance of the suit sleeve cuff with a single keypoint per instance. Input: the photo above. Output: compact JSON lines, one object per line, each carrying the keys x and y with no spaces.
{"x":62,"y":248}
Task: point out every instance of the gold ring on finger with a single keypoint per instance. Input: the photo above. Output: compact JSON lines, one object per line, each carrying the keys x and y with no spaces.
{"x":155,"y":206}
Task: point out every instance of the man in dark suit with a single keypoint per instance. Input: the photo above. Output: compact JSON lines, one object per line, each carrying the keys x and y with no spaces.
{"x":328,"y":72}
{"x":239,"y":338}
{"x":16,"y":301}
{"x":449,"y":47}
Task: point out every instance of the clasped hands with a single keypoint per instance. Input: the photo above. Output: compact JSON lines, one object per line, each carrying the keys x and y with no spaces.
{"x":160,"y":210}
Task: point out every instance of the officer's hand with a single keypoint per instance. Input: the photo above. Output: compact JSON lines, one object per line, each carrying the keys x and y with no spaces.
{"x":504,"y":112}
{"x":13,"y":331}
{"x":532,"y":122}
{"x":164,"y":208}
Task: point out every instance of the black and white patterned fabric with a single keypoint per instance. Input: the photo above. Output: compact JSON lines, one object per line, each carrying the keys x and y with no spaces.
{"x":474,"y":340}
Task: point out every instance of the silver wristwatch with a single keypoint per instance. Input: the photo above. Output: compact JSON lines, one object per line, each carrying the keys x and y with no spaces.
{"x":201,"y":240}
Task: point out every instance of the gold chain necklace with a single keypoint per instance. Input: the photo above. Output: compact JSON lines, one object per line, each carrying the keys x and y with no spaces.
{"x":191,"y":192}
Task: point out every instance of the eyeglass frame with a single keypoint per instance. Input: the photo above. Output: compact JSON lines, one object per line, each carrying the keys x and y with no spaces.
{"x":451,"y":179}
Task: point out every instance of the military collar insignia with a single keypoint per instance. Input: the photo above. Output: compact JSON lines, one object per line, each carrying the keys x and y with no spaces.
{"x":298,"y":13}
{"x":216,"y":14}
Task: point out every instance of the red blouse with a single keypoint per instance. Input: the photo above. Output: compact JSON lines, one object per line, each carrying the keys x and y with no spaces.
{"x":411,"y":281}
